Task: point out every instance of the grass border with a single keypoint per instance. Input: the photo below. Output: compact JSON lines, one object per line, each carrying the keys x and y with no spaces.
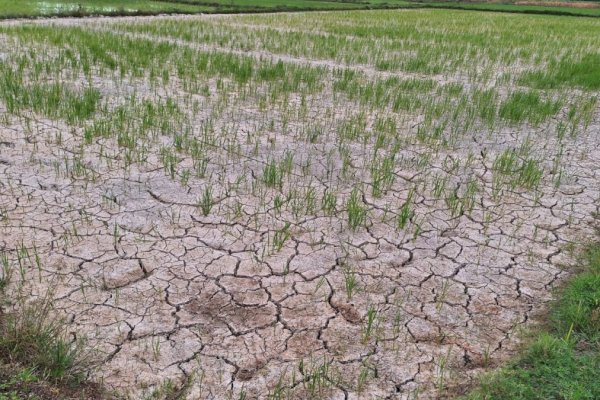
{"x":562,"y":358}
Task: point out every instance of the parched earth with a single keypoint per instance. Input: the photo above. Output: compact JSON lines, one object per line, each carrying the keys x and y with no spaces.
{"x":215,"y":302}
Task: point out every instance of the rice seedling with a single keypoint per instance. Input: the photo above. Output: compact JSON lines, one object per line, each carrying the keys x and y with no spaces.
{"x":370,"y":324}
{"x":317,"y":377}
{"x":206,"y":202}
{"x":356,"y":209}
{"x":281,"y":237}
{"x":350,"y":280}
{"x":273,"y":175}
{"x":405,"y":212}
{"x":382,"y":174}
{"x":329,"y":202}
{"x":442,"y":370}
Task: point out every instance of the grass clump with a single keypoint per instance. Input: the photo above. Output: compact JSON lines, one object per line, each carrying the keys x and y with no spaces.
{"x":563,"y":362}
{"x":39,"y":358}
{"x":33,"y":337}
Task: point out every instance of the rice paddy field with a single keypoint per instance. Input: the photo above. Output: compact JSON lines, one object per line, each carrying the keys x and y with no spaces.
{"x":331,"y":205}
{"x":65,"y":8}
{"x":10,"y":9}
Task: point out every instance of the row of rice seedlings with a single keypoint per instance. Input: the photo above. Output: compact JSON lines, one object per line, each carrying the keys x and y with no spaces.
{"x":392,"y":43}
{"x":55,"y":100}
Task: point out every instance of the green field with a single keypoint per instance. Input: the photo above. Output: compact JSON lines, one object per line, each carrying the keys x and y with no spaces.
{"x":36,"y":8}
{"x":514,"y":8}
{"x":25,"y":8}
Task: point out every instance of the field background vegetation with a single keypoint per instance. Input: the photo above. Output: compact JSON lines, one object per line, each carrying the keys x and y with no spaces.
{"x":46,"y":8}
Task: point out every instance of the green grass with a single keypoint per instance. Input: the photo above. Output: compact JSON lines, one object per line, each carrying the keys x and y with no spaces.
{"x":38,"y":358}
{"x":34,"y":338}
{"x":563,"y":362}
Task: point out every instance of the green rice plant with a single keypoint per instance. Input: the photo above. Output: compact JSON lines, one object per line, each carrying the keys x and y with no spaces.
{"x":287,"y":163}
{"x":363,"y":376}
{"x":170,"y":161}
{"x":310,"y":200}
{"x":353,"y":128}
{"x":405,"y":212}
{"x":370,"y":324}
{"x":155,"y":342}
{"x":530,"y":174}
{"x":583,"y":73}
{"x":278,"y":202}
{"x":273,"y":175}
{"x":382,"y":174}
{"x":439,"y":186}
{"x":281,"y":237}
{"x":116,"y":235}
{"x":329,"y":202}
{"x":506,"y":162}
{"x":318,"y":377}
{"x":453,"y":202}
{"x":432,"y":133}
{"x":206,"y":202}
{"x":526,"y":173}
{"x":350,"y":280}
{"x":313,"y":133}
{"x":561,"y":130}
{"x":469,"y":194}
{"x":357,"y":212}
{"x":442,"y":369}
{"x":580,"y":114}
{"x":485,"y":103}
{"x":185,"y":177}
{"x":279,"y":392}
{"x":441,"y":296}
{"x":52,"y":100}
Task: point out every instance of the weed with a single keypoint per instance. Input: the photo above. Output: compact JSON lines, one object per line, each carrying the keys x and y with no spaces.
{"x":36,"y":337}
